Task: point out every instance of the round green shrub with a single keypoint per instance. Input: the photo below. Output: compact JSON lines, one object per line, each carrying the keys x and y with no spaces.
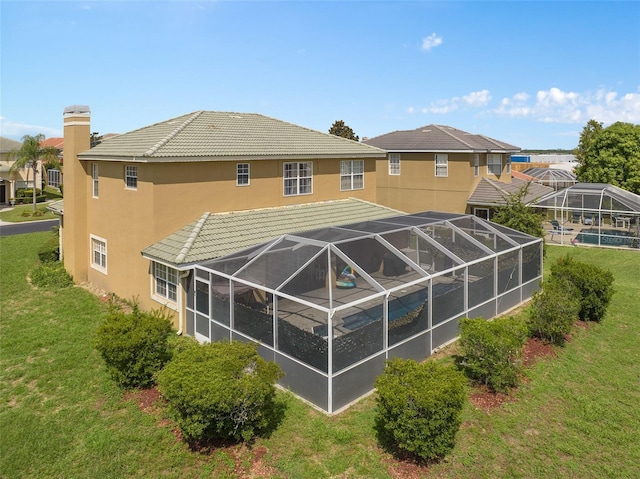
{"x":220,"y":391}
{"x":492,"y":350}
{"x":51,"y":275}
{"x":594,"y":284}
{"x":553,"y":310}
{"x":134,"y":346}
{"x":419,"y":407}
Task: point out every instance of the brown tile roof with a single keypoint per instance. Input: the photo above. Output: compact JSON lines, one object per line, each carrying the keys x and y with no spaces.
{"x":439,"y":138}
{"x":493,"y":193}
{"x":55,"y":142}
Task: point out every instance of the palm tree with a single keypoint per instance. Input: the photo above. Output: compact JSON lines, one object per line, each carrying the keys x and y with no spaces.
{"x":28,"y":156}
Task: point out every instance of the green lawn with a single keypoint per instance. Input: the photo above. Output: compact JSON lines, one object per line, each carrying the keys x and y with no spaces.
{"x":21,"y":213}
{"x":576,"y":416}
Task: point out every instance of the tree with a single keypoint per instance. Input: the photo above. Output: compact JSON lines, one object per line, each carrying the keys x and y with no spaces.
{"x":517,"y":215}
{"x":96,"y":139}
{"x":28,"y":156}
{"x":340,"y":129}
{"x":610,"y":155}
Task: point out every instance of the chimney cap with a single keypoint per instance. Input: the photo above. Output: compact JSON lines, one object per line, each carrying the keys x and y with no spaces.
{"x":77,"y":109}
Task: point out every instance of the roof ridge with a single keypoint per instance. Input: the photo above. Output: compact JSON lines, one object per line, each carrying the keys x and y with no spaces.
{"x":167,"y":138}
{"x":453,"y":136}
{"x":496,"y":186}
{"x":491,"y":140}
{"x":192,"y":238}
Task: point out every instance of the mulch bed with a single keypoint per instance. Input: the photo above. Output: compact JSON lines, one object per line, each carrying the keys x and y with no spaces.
{"x":249,"y":463}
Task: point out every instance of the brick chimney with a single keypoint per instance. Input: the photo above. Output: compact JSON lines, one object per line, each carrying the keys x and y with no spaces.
{"x":75,"y":241}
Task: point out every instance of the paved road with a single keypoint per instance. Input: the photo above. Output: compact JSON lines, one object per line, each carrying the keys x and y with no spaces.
{"x":9,"y":229}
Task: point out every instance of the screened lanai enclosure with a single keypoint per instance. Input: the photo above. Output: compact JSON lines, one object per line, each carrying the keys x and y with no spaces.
{"x":594,"y":213}
{"x":331,"y":305}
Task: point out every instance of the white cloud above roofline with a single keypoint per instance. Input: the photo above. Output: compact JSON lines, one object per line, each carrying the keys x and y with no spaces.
{"x":15,"y":131}
{"x":553,"y":105}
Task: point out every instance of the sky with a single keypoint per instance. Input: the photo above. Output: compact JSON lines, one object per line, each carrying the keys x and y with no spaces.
{"x":530,"y":73}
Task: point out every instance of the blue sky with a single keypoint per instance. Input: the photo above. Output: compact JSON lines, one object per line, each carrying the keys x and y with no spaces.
{"x":528,"y":73}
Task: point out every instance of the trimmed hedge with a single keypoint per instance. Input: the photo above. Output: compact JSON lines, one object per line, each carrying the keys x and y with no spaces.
{"x":553,"y":310}
{"x":492,"y":350}
{"x":51,"y":274}
{"x":594,"y":284}
{"x":221,"y":391}
{"x":49,"y":251}
{"x":134,"y":346}
{"x":419,"y":407}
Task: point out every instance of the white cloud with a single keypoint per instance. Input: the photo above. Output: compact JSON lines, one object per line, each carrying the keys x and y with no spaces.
{"x":431,"y":41}
{"x":474,"y":99}
{"x":16,"y":131}
{"x":558,"y":106}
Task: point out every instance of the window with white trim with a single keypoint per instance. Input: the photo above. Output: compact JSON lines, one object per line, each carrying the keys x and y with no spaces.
{"x":508,"y":164}
{"x":442,"y":164}
{"x":351,"y":175}
{"x":131,"y":177}
{"x":99,"y":253}
{"x":94,"y":178}
{"x":394,"y":163}
{"x":242,"y":174}
{"x":298,"y":178}
{"x":476,"y":164}
{"x":166,"y":282}
{"x":494,"y":164}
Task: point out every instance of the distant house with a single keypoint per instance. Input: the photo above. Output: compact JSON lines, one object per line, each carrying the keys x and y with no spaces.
{"x":11,"y":181}
{"x":438,"y":167}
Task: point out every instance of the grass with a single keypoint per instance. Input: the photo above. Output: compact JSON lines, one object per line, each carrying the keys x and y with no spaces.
{"x":21,"y":213}
{"x":577,"y":415}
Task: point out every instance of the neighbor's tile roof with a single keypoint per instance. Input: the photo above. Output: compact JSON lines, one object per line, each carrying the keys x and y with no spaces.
{"x":215,"y":235}
{"x":213,"y":135}
{"x":438,"y":138}
{"x":493,"y":193}
{"x":8,"y":145}
{"x":55,"y":142}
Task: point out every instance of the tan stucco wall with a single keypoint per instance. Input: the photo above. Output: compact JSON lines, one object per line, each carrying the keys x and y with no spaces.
{"x":417,"y":188}
{"x":170,"y":196}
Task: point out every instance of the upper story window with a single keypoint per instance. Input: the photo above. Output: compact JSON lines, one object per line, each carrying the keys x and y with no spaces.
{"x":394,"y":163}
{"x":131,"y":176}
{"x":442,"y":164}
{"x":242,"y":174}
{"x":94,"y":178}
{"x":298,"y":178}
{"x":494,"y":164}
{"x":166,"y":282}
{"x":508,"y":164}
{"x":351,"y":175}
{"x":476,"y":164}
{"x":99,"y":253}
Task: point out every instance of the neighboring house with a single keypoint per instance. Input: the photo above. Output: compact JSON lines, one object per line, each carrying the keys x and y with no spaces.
{"x":10,"y":181}
{"x":54,"y":175}
{"x":138,"y":188}
{"x":491,"y":193}
{"x":437,"y":167}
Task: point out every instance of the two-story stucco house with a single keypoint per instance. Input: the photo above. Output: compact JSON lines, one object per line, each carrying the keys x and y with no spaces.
{"x":438,"y":167}
{"x":184,"y":176}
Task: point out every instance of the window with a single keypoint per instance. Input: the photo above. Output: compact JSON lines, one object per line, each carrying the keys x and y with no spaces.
{"x":99,"y":254}
{"x":442,"y":164}
{"x":131,"y":176}
{"x":351,"y":175}
{"x":508,"y":164}
{"x":53,"y":178}
{"x":476,"y":165}
{"x":166,"y":282}
{"x":94,"y":178}
{"x":494,"y":164}
{"x":298,"y":178}
{"x":394,"y":163}
{"x":242,"y":174}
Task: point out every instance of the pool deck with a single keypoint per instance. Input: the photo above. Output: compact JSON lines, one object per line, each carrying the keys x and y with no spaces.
{"x":571,"y":231}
